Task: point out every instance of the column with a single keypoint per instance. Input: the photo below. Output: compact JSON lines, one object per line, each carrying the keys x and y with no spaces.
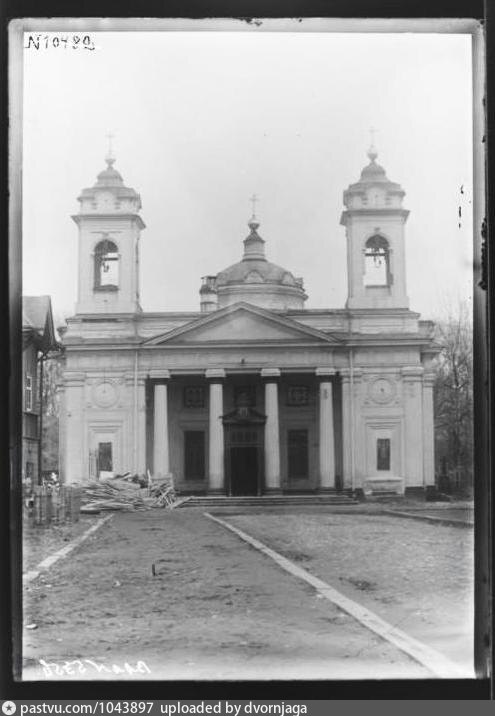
{"x":346,"y":428}
{"x":428,"y":430}
{"x":216,"y":478}
{"x":161,"y":450}
{"x":270,"y":377}
{"x":327,"y":440}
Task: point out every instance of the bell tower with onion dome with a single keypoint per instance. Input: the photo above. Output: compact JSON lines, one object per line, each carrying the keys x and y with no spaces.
{"x":109,"y":231}
{"x":374,"y":221}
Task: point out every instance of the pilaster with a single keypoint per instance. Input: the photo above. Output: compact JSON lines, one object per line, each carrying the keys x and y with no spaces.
{"x":326,"y":430}
{"x":428,"y":430}
{"x":412,"y":377}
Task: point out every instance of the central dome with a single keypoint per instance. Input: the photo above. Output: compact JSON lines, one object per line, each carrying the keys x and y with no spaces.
{"x":256,"y":280}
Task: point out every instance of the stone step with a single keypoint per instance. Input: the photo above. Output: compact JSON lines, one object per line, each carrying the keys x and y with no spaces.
{"x":267,"y":500}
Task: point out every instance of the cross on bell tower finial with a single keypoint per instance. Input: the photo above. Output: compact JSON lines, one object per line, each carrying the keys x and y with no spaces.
{"x":372,"y":153}
{"x":253,"y":222}
{"x":253,"y":201}
{"x":110,"y":157}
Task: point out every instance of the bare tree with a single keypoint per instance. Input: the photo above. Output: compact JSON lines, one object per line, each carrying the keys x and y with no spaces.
{"x":453,"y":396}
{"x":52,"y":375}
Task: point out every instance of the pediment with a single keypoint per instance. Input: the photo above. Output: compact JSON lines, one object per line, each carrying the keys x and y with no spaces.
{"x":242,"y":323}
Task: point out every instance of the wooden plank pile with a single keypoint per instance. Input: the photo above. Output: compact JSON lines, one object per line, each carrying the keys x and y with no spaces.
{"x":163,"y":492}
{"x":114,"y":494}
{"x":124,"y":493}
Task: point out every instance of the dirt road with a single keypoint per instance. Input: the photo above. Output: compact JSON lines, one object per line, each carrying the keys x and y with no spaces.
{"x":215,"y":609}
{"x":418,"y":576}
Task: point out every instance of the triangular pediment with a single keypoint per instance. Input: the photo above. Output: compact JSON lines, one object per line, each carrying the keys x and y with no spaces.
{"x":242,"y":323}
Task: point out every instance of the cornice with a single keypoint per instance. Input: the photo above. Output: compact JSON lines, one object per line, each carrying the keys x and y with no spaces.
{"x":98,"y":217}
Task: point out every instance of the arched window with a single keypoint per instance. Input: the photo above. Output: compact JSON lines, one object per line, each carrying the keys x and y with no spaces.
{"x":106,"y":265}
{"x":377,"y":262}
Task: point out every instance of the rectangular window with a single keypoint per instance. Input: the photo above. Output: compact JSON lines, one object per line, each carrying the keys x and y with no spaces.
{"x":297,"y":395}
{"x":28,"y":393}
{"x":383,"y":454}
{"x":297,"y":444}
{"x":29,"y":470}
{"x":194,"y":454}
{"x":194,"y":396}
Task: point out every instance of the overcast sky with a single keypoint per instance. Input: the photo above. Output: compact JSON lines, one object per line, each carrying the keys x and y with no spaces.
{"x":203,"y":120}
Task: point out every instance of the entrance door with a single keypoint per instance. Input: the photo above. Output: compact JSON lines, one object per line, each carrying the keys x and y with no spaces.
{"x":105,"y":461}
{"x":244,"y":470}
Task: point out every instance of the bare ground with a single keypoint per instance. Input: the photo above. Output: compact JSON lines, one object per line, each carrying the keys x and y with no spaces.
{"x":216,"y":609}
{"x":416,"y":575}
{"x":41,"y":541}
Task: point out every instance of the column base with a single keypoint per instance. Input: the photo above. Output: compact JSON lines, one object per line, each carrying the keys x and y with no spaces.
{"x":326,"y":490}
{"x":272,"y":491}
{"x":216,"y":491}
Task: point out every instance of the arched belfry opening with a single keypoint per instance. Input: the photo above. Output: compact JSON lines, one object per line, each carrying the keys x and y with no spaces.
{"x":377,"y":262}
{"x":375,"y":235}
{"x":106,"y":265}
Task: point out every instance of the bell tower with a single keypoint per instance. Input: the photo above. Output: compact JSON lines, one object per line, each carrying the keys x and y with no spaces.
{"x":374,"y":221}
{"x":109,"y":231}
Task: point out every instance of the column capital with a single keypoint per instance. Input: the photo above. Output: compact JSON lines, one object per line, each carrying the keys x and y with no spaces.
{"x":345,"y":374}
{"x":72,"y":379}
{"x":161,"y":375}
{"x":325,"y":374}
{"x":215,"y":375}
{"x":429,"y":379}
{"x":270,"y":375}
{"x":412,"y":372}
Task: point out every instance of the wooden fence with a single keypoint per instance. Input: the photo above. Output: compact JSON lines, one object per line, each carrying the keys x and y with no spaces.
{"x":53,"y":505}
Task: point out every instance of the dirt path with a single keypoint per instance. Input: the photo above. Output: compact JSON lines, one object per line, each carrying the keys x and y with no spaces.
{"x":416,"y":575}
{"x":216,"y":609}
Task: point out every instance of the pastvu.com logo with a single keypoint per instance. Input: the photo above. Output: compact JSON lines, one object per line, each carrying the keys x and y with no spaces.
{"x":9,"y":708}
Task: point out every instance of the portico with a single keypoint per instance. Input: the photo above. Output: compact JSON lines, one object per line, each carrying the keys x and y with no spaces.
{"x":266,"y":431}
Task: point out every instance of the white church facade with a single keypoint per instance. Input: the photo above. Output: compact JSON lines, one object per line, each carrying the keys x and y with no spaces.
{"x":253,"y":394}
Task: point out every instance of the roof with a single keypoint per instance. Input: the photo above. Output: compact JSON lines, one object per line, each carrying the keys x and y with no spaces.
{"x":254,"y":268}
{"x":109,"y":179}
{"x":374,"y":174}
{"x":256,"y":271}
{"x":37,"y":321}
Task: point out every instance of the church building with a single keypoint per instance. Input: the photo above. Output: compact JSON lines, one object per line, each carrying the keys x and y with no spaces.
{"x":253,"y":394}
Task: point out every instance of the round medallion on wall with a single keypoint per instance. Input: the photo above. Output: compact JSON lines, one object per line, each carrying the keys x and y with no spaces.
{"x":382,"y":390}
{"x":105,"y":394}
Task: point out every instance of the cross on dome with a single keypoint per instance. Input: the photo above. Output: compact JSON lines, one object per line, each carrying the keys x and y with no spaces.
{"x":110,"y":157}
{"x":372,"y":153}
{"x":253,"y":222}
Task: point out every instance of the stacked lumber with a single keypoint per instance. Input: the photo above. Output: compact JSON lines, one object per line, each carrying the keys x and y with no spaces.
{"x":163,"y":492}
{"x":113,"y":495}
{"x":123,"y":493}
